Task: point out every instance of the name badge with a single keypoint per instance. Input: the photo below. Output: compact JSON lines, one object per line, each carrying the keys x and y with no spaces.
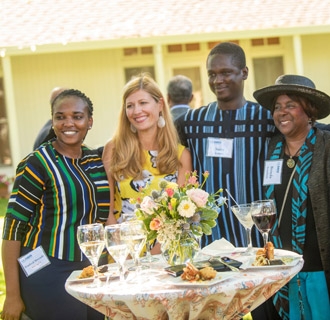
{"x":273,"y":172}
{"x":34,"y":261}
{"x":219,"y":147}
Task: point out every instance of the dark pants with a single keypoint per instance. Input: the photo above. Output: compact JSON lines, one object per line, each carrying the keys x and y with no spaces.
{"x":45,"y":296}
{"x":266,"y":311}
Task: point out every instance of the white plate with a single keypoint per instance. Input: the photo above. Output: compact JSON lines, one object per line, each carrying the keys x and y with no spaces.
{"x":289,"y":258}
{"x":221,"y":252}
{"x":177,"y":281}
{"x":112,"y":272}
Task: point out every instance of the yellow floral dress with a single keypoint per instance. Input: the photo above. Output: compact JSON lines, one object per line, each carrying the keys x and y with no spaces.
{"x":128,"y":188}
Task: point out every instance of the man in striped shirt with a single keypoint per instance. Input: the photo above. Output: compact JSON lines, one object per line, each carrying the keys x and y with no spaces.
{"x":229,"y":138}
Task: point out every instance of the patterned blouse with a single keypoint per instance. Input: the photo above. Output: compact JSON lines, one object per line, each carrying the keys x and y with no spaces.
{"x":129,"y":189}
{"x":52,"y":196}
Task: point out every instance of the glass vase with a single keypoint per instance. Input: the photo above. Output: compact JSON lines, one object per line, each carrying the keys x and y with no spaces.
{"x":181,"y":250}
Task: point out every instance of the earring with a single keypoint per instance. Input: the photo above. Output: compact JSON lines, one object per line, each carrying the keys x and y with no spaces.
{"x":89,"y":128}
{"x":161,"y":122}
{"x":133,"y":129}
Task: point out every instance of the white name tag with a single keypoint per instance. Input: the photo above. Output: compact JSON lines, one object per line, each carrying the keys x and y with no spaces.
{"x":273,"y":172}
{"x":219,"y":147}
{"x":34,"y":261}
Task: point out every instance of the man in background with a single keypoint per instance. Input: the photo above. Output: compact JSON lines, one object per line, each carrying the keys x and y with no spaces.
{"x":47,"y":126}
{"x":179,"y":95}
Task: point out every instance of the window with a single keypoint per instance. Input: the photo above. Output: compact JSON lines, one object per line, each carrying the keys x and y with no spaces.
{"x":265,"y":41}
{"x":131,"y":72}
{"x":5,"y":153}
{"x":136,"y":51}
{"x":267,"y":70}
{"x":174,"y":48}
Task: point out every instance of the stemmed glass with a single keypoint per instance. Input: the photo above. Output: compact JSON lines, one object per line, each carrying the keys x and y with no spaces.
{"x":128,"y":217}
{"x":148,"y":258}
{"x":135,"y":235}
{"x":116,"y":247}
{"x":263,"y":213}
{"x":90,"y":238}
{"x":243,"y":214}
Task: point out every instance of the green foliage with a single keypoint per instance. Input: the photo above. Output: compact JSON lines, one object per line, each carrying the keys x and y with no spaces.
{"x":3,"y":206}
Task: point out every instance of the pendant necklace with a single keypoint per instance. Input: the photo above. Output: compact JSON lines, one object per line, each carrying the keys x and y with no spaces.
{"x":291,"y":162}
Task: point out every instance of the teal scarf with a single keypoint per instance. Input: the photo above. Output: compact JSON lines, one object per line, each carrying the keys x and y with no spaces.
{"x":299,"y":210}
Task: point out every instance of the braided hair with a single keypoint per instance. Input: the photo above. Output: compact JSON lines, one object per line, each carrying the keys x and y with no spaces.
{"x":64,"y":94}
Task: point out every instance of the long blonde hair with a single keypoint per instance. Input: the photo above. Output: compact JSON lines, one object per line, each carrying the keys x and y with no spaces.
{"x":127,"y":158}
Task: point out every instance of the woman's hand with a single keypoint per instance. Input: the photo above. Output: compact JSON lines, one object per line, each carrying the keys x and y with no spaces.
{"x":12,"y":308}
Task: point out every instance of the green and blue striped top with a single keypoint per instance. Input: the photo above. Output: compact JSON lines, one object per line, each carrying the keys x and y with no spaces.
{"x":52,"y":195}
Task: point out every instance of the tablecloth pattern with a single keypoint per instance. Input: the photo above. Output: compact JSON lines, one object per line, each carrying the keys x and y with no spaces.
{"x":154,"y":298}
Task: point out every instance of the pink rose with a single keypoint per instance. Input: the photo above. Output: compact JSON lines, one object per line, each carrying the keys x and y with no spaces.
{"x":198,"y":196}
{"x":192,"y":180}
{"x":147,"y":205}
{"x":169,"y":192}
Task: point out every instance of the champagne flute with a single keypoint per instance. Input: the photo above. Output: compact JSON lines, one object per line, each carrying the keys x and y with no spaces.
{"x":90,"y":238}
{"x":148,"y":258}
{"x":128,"y":217}
{"x":263,"y":213}
{"x":116,"y":247}
{"x":243,"y":214}
{"x":135,"y":235}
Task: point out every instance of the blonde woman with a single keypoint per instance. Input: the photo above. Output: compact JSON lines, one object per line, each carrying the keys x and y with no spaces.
{"x":145,"y":148}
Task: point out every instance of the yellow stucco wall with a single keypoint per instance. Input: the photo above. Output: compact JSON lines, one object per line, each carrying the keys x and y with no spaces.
{"x":100,"y":74}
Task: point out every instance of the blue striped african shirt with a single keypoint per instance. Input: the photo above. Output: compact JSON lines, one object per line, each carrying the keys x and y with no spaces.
{"x":52,"y":195}
{"x":250,"y":129}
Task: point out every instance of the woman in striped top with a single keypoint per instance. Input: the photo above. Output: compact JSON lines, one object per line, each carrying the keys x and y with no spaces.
{"x":58,"y":187}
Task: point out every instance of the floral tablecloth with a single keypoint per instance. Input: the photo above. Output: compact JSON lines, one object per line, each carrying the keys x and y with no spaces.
{"x":159,"y":296}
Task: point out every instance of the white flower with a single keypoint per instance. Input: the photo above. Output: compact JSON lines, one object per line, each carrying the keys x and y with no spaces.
{"x":186,"y":208}
{"x":221,"y":201}
{"x":148,"y":204}
{"x":199,"y":196}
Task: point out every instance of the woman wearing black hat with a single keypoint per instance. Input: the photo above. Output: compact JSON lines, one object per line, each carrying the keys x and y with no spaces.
{"x":301,"y":190}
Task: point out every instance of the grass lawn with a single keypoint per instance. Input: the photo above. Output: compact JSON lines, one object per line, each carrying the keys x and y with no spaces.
{"x":3,"y":206}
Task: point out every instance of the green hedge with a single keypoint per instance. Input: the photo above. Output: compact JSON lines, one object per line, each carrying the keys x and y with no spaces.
{"x":3,"y":206}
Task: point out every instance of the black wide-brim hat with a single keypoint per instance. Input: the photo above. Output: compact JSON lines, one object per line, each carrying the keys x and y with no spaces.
{"x":297,"y":85}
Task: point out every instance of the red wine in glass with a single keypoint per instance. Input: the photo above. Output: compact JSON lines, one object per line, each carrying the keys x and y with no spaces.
{"x":263,"y":214}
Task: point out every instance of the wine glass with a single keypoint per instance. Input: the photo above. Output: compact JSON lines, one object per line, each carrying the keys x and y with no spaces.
{"x":243,"y":214}
{"x":90,"y":238}
{"x":128,"y":217}
{"x":116,"y":247}
{"x":148,"y":258}
{"x":135,"y":235}
{"x":263,"y":214}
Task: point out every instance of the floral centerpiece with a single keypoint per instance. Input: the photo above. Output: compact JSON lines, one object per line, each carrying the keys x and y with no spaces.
{"x":176,"y":216}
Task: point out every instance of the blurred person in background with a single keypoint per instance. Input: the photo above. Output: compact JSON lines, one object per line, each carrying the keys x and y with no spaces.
{"x":179,"y":95}
{"x":44,"y":131}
